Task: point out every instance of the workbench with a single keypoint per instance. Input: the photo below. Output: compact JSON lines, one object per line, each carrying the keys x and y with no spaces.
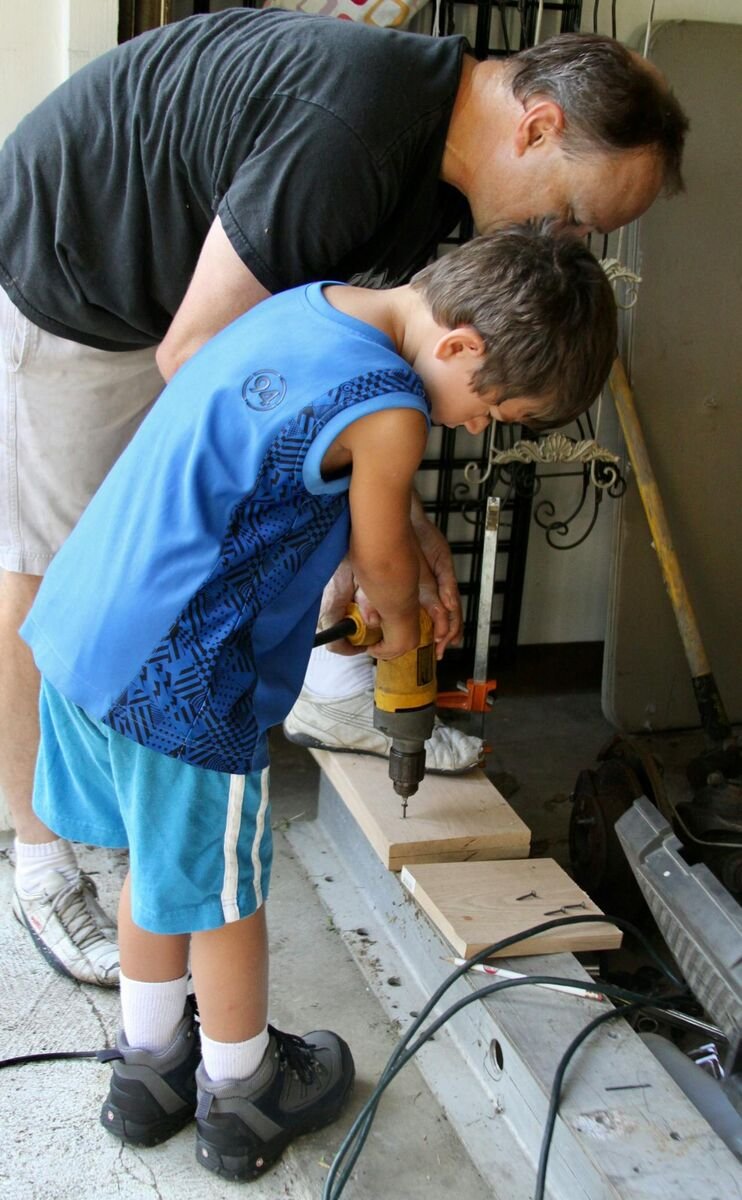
{"x":625,"y":1131}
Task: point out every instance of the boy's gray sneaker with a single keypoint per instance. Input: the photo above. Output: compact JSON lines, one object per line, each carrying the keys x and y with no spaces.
{"x":347,"y":724}
{"x":70,"y":928}
{"x":301,"y":1084}
{"x":152,"y":1096}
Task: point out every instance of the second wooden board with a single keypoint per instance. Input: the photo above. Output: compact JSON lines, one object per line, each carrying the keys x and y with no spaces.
{"x":476,"y":904}
{"x":449,"y":819}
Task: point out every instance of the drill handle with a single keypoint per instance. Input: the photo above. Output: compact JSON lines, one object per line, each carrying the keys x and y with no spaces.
{"x":364,"y":634}
{"x":352,"y":627}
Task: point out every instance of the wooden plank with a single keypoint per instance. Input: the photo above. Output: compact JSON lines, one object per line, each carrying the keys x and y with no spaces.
{"x":450,"y":818}
{"x":475,"y":904}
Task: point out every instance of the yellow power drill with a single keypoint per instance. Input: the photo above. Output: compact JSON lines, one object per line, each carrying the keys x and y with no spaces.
{"x":404,"y":696}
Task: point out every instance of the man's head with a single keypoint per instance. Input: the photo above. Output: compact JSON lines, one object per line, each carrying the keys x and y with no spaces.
{"x":522,"y":328}
{"x":578,"y":128}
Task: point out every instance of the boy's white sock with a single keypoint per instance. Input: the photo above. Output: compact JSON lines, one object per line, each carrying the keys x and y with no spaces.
{"x":33,"y":861}
{"x":151,"y":1012}
{"x":335,"y":676}
{"x":233,"y":1060}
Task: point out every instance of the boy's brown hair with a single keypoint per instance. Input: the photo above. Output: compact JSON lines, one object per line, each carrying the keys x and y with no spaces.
{"x":544,"y":308}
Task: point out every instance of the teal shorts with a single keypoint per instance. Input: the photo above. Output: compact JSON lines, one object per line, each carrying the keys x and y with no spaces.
{"x":199,"y":841}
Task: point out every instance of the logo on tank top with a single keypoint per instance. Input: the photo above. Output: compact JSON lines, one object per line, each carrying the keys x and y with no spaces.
{"x":264,"y":390}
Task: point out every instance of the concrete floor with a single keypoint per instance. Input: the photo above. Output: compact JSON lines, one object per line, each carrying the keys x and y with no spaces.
{"x":54,"y":1147}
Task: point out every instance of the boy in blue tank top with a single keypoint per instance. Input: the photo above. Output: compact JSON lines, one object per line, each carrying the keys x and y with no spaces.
{"x":174,"y":627}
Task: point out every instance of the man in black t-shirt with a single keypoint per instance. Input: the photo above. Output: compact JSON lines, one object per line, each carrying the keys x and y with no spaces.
{"x":186,"y":175}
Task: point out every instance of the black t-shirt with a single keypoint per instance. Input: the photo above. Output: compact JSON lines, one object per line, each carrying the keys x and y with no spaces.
{"x":317,"y":141}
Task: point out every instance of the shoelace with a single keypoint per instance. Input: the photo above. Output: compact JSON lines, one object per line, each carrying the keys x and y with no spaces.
{"x":70,"y":906}
{"x":297,"y":1054}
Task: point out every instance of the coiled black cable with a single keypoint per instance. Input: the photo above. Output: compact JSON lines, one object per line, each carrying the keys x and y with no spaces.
{"x":355,"y":1139}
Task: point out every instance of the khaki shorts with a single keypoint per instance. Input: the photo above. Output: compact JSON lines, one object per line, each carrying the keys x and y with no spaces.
{"x":66,"y":413}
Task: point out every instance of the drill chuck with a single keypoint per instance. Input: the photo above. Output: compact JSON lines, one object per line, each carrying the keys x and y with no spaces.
{"x":404,"y":696}
{"x":409,"y":730}
{"x":406,"y":770}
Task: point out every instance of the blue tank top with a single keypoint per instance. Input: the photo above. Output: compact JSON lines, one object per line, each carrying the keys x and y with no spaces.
{"x":181,"y":609}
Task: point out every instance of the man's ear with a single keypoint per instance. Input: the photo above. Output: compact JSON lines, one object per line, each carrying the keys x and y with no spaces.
{"x":464,"y":340}
{"x":539,"y":123}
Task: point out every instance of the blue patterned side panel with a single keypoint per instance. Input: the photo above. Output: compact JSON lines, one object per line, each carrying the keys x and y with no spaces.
{"x":193,"y":698}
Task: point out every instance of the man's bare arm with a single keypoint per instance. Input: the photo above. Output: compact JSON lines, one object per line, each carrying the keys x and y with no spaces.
{"x":222,"y":288}
{"x":439,"y":591}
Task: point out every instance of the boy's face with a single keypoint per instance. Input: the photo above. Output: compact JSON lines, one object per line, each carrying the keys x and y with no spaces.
{"x":446,"y":370}
{"x":475,"y":412}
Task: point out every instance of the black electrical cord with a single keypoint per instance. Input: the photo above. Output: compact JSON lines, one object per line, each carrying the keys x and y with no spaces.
{"x":102,"y":1056}
{"x":355,"y":1139}
{"x":362,"y":1127}
{"x":556,"y":1087}
{"x":49,"y":1056}
{"x":333,"y":633}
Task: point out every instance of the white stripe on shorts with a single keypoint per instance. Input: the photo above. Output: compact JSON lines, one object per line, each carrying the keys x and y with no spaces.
{"x":257,"y":866}
{"x":230,"y":910}
{"x":230,"y":906}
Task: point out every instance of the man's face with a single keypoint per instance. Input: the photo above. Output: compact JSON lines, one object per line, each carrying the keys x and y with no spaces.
{"x":595,"y":193}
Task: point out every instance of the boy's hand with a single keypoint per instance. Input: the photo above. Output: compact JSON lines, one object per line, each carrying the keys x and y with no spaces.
{"x":439,"y":593}
{"x":399,"y":635}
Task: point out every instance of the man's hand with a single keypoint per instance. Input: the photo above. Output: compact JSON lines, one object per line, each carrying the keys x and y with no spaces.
{"x":439,"y":592}
{"x":338,"y":594}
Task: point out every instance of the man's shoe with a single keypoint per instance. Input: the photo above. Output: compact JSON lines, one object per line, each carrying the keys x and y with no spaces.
{"x":348,"y":724}
{"x":244,"y":1125}
{"x":152,"y":1096}
{"x":71,"y":929}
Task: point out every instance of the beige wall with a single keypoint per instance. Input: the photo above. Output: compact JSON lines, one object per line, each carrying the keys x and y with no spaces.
{"x":42,"y":42}
{"x":631,"y":15}
{"x":566,"y":593}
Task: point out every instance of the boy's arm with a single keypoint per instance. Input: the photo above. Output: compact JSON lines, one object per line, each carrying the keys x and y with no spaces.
{"x":386,"y":449}
{"x":438,"y":589}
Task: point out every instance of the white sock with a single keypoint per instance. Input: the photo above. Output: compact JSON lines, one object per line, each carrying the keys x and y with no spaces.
{"x":33,"y":861}
{"x":152,"y":1012}
{"x":336,"y":676}
{"x":233,"y":1060}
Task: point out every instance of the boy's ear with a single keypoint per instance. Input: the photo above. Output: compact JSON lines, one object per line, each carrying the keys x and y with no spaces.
{"x":540,"y":123}
{"x":463,"y":340}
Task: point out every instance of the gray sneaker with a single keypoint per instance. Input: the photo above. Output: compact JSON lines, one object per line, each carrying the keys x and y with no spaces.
{"x":70,"y":928}
{"x":348,"y":725}
{"x":152,"y":1096}
{"x":244,"y":1125}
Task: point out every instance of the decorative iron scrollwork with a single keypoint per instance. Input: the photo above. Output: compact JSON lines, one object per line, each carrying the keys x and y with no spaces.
{"x":600,"y":472}
{"x":555,"y":448}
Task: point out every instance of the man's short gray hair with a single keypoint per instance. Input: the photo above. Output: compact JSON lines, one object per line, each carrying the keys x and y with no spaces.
{"x":611,"y":99}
